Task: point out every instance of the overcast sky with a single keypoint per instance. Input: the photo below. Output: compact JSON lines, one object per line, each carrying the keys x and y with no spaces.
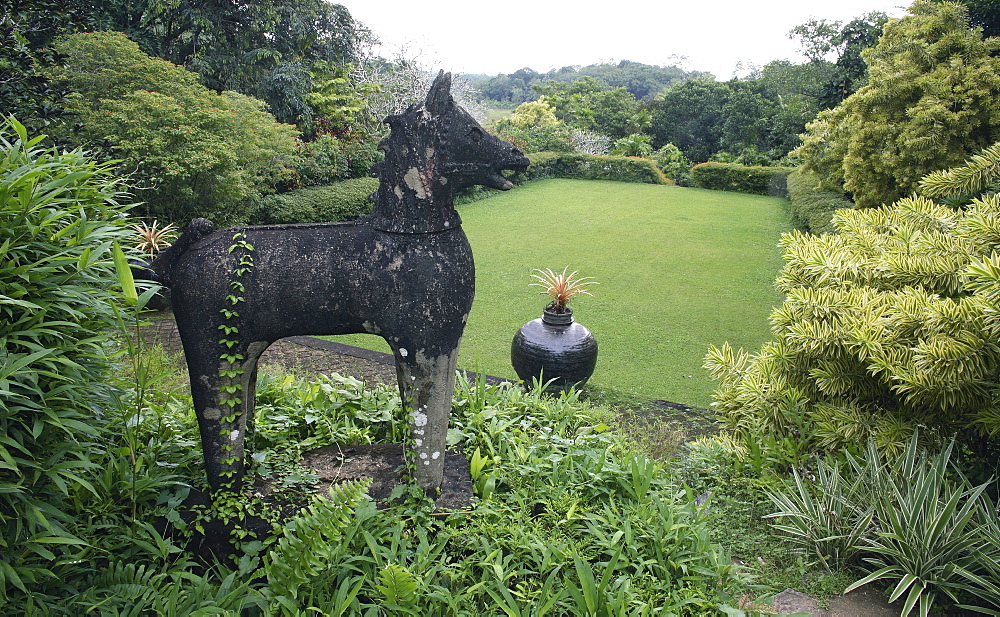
{"x":470,"y":36}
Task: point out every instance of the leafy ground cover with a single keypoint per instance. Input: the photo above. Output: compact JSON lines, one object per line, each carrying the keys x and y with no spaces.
{"x":569,"y":518}
{"x":679,"y":269}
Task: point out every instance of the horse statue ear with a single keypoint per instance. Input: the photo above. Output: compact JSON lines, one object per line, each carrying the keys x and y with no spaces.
{"x":439,"y":95}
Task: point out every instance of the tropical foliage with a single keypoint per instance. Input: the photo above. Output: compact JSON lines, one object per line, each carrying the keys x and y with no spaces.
{"x":914,"y":517}
{"x":878,"y":393}
{"x":586,"y":104}
{"x":561,"y":287}
{"x":886,"y":326}
{"x":95,"y":451}
{"x":60,"y":214}
{"x":192,"y":152}
{"x":929,"y":104}
{"x":151,"y":238}
{"x":268,"y":50}
{"x":26,"y":33}
{"x":534,"y":127}
{"x":674,"y":164}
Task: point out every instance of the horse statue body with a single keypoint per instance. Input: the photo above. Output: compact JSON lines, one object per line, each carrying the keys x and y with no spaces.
{"x":405,"y":272}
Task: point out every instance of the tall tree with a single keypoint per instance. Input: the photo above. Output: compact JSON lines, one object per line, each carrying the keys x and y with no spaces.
{"x":689,"y":115}
{"x":834,"y":53}
{"x":851,"y":71}
{"x":985,"y":14}
{"x":746,"y":118}
{"x":26,"y":32}
{"x":192,"y":152}
{"x":587,"y":104}
{"x":929,"y":103}
{"x":264,"y":49}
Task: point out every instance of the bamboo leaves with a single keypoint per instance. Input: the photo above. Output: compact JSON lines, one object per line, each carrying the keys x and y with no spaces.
{"x":60,"y":214}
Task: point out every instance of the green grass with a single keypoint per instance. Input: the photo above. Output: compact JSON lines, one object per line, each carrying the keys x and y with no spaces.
{"x":679,"y":269}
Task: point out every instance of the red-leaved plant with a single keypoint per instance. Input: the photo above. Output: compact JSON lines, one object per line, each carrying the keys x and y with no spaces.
{"x":562,"y":287}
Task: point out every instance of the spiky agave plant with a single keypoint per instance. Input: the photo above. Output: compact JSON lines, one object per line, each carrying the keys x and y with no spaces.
{"x":561,"y":287}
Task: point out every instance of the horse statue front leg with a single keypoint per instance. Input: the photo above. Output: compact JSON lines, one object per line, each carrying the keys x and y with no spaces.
{"x":223,"y":388}
{"x":426,"y":386}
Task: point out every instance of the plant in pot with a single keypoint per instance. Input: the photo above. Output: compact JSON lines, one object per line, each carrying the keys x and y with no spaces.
{"x":150,"y":240}
{"x":555,"y":348}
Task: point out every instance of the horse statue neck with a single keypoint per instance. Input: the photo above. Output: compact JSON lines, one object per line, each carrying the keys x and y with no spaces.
{"x":413,"y":195}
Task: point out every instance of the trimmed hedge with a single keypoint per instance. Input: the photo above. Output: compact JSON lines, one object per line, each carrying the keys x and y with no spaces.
{"x":741,"y":178}
{"x":342,"y":201}
{"x":348,"y":200}
{"x":580,"y":166}
{"x":813,"y":208}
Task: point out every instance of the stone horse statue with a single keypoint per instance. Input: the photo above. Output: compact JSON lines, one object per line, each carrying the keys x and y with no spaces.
{"x":404,"y":272}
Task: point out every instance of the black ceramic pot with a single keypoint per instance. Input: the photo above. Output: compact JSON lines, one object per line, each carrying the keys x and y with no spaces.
{"x":554,"y":347}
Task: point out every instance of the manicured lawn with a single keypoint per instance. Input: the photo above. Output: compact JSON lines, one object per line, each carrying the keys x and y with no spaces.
{"x":679,"y":268}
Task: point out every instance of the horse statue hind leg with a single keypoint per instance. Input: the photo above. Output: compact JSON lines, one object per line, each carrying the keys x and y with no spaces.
{"x":405,"y":273}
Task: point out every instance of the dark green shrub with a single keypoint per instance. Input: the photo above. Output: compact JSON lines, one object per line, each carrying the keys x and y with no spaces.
{"x":741,"y":178}
{"x":342,"y":201}
{"x":193,"y":151}
{"x":673,"y":164}
{"x":59,"y":215}
{"x":328,"y":159}
{"x":812,"y":207}
{"x":592,"y":167}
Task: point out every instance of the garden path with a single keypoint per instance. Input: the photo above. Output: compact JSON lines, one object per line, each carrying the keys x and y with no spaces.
{"x":863,"y":602}
{"x":307,"y":355}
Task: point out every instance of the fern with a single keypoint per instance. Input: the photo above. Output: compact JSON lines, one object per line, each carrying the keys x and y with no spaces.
{"x":131,"y":589}
{"x":310,"y":542}
{"x":121,"y":585}
{"x":189,"y":594}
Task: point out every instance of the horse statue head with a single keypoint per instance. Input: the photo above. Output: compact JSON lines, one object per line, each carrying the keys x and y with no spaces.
{"x":433,"y":149}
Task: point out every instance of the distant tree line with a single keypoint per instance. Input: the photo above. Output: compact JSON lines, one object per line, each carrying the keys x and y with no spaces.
{"x":640,"y":109}
{"x":643,"y":81}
